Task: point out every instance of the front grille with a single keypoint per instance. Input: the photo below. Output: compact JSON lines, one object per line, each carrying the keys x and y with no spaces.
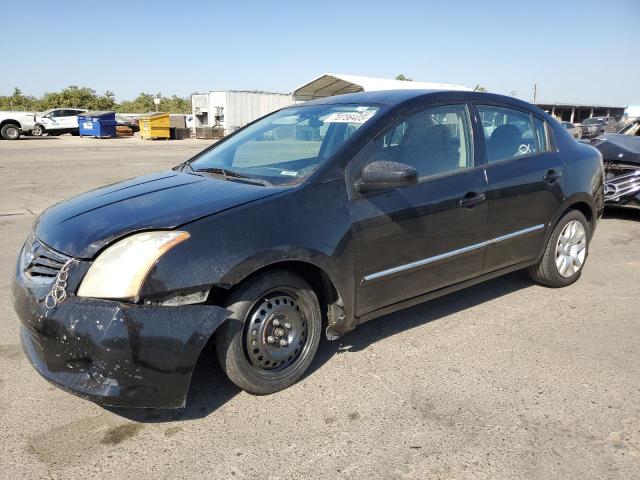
{"x":619,"y":186}
{"x":40,"y":262}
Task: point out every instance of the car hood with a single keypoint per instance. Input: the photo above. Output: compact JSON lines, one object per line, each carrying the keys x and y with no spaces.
{"x":81,"y":226}
{"x":619,"y":148}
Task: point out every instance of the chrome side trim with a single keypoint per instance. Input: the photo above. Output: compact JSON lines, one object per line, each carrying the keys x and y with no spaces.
{"x":452,"y":253}
{"x":509,"y":236}
{"x":422,"y":262}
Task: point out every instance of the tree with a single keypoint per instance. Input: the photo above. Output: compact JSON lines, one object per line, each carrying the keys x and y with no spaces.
{"x":17,"y":101}
{"x":175,"y":104}
{"x":105,"y":102}
{"x":84,"y":97}
{"x":143,"y":103}
{"x":479,"y":88}
{"x":403,"y":78}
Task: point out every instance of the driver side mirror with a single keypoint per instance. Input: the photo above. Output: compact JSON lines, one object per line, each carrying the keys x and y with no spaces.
{"x":386,"y":175}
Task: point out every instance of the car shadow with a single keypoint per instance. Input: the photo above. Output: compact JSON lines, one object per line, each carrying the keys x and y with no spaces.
{"x":210,"y":389}
{"x":379,"y":329}
{"x":621,"y":213}
{"x":31,"y":137}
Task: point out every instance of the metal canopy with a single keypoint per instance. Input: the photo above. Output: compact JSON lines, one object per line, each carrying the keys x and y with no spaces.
{"x":330,"y":84}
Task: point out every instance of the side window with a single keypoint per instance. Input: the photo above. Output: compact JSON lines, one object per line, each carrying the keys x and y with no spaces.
{"x":542,"y":140}
{"x":511,"y":133}
{"x":433,"y":141}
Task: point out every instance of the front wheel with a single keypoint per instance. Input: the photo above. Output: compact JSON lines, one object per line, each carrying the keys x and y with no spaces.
{"x":272,"y":334}
{"x":37,"y":131}
{"x":10,"y":131}
{"x":566,"y":252}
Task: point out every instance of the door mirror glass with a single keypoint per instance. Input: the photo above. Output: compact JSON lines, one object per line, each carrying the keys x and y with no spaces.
{"x":385,"y":175}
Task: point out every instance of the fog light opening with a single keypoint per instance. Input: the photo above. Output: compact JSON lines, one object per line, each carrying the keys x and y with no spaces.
{"x":186,"y":299}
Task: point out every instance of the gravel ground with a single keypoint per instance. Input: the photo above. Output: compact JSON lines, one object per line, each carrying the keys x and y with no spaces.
{"x":503,"y":380}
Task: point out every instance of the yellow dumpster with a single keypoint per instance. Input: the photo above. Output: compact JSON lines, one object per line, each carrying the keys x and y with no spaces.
{"x":154,"y":125}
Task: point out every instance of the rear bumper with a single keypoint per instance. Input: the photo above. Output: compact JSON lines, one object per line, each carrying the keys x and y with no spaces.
{"x":113,"y":353}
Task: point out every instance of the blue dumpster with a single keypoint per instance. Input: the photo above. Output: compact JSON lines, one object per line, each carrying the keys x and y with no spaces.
{"x":97,"y":124}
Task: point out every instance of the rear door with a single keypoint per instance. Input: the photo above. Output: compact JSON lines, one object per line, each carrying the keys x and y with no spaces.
{"x":525,"y":183}
{"x":69,"y":119}
{"x":420,"y":238}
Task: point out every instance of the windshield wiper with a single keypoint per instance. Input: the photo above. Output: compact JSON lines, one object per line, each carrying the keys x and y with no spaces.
{"x":231,"y":176}
{"x":183,"y":166}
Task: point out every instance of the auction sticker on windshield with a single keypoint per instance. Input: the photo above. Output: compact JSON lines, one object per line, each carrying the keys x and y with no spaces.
{"x":350,"y":117}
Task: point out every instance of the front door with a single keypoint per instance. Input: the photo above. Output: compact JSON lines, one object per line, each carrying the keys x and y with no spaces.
{"x":417,"y":239}
{"x":524,"y":172}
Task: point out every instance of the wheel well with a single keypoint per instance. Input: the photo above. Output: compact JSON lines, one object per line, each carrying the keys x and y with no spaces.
{"x":328,"y":295}
{"x":583,"y":208}
{"x":15,"y":122}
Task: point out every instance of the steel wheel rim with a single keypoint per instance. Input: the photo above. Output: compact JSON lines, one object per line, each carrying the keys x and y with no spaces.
{"x":571,"y":249}
{"x":276,"y":333}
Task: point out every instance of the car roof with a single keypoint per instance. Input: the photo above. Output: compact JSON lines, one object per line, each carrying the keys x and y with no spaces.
{"x":397,"y":97}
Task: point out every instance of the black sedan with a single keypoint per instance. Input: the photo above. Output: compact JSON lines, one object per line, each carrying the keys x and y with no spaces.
{"x":315,"y":218}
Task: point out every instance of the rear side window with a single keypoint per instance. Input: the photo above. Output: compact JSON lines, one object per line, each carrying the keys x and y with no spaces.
{"x":542,"y":136}
{"x":511,"y":133}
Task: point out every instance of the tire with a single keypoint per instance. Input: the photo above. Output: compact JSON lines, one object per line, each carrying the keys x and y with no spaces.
{"x":10,"y":131}
{"x":553,"y":271}
{"x":272,"y":334}
{"x":38,"y":131}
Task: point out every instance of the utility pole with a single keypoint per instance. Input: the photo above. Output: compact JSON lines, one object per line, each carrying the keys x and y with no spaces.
{"x":535,"y":92}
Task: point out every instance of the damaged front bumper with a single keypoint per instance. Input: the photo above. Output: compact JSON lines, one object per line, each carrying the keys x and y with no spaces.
{"x":114,"y":353}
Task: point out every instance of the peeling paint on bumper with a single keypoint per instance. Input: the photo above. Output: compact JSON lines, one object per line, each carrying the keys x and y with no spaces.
{"x":113,"y":353}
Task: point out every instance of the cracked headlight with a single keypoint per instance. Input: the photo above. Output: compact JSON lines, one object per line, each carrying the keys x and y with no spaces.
{"x":120,"y":270}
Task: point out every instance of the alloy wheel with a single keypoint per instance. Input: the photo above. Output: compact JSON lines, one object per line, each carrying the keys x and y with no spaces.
{"x":12,"y":133}
{"x":571,"y":249}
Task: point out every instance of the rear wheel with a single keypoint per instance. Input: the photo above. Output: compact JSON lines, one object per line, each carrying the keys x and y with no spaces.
{"x":566,"y":252}
{"x":10,"y":131}
{"x":272,"y":334}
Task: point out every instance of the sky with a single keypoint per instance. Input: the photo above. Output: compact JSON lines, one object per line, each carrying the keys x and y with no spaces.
{"x":575,"y":51}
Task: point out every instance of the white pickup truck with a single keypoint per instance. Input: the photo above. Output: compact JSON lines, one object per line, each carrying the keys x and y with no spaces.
{"x":12,"y":124}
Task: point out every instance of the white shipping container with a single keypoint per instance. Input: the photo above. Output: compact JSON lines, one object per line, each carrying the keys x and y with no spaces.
{"x":237,"y":108}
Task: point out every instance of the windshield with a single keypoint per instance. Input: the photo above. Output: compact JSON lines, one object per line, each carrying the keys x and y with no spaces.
{"x":593,"y":121}
{"x":286,"y":147}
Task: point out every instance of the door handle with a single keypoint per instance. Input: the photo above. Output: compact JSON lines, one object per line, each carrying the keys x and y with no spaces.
{"x":552,"y":176}
{"x":471,"y":199}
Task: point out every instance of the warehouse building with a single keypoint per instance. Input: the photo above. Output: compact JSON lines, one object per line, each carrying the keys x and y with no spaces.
{"x":576,"y":113}
{"x":231,"y":109}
